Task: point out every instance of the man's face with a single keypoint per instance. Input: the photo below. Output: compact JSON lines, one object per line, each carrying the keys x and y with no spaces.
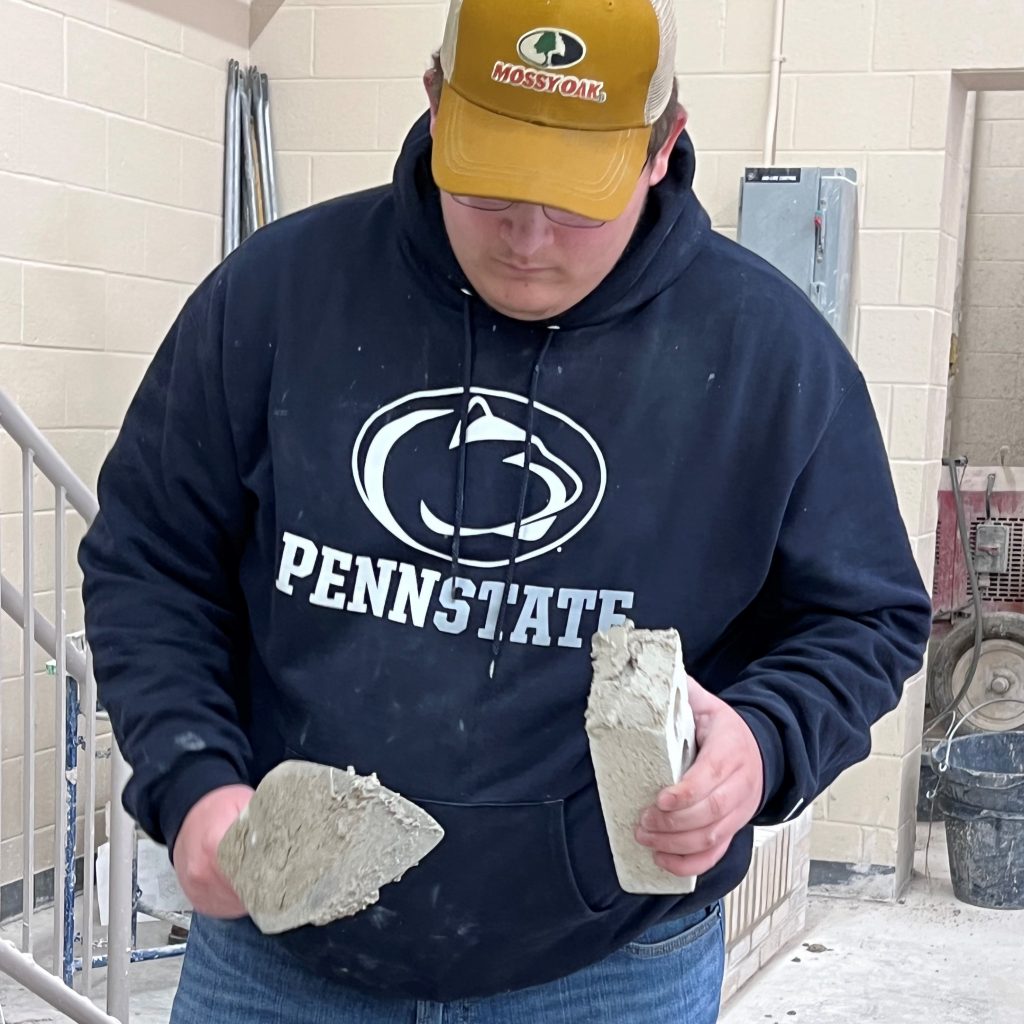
{"x":526,"y":266}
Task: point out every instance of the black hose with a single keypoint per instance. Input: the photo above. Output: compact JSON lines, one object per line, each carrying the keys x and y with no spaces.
{"x":965,"y":540}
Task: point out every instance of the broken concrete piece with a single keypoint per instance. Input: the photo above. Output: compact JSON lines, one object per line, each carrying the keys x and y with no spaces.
{"x":316,"y":844}
{"x":641,"y":733}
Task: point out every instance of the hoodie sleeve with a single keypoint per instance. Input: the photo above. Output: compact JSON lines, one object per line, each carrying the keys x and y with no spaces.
{"x":846,"y":611}
{"x":160,"y":564}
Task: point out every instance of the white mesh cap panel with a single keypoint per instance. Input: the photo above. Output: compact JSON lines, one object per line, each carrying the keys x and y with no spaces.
{"x":661,"y":85}
{"x":451,"y":33}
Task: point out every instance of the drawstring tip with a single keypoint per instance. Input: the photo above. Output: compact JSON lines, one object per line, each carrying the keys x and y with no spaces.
{"x":490,"y":671}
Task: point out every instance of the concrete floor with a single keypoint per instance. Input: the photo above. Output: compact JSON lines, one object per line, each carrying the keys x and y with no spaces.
{"x":925,"y":960}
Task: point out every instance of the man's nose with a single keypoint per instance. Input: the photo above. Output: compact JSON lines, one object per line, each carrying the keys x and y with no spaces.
{"x":525,"y":229}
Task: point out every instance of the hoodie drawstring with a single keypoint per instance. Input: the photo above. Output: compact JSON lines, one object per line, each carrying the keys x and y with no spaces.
{"x":467,"y":384}
{"x":498,"y":640}
{"x":524,"y":491}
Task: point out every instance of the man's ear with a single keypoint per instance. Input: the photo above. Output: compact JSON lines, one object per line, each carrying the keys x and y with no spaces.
{"x":659,"y":166}
{"x":429,"y":78}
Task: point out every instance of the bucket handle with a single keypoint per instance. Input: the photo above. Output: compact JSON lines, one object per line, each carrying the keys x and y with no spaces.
{"x":954,"y":727}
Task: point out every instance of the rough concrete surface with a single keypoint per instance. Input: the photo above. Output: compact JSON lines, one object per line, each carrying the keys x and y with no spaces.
{"x":641,"y":740}
{"x":316,"y":844}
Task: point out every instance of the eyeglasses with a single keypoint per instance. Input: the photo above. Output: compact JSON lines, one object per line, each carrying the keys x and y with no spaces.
{"x":564,"y":218}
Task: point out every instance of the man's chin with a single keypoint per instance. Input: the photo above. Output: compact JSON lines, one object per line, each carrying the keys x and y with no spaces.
{"x":529,"y":303}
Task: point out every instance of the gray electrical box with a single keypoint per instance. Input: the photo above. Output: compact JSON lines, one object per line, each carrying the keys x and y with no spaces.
{"x":803,"y":220}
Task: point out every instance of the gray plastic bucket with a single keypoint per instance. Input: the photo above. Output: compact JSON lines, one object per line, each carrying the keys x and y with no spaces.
{"x":981,"y":796}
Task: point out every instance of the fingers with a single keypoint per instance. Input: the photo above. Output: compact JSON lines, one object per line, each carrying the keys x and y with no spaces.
{"x":727,"y":755}
{"x":707,"y":773}
{"x":695,"y":841}
{"x":701,"y":701}
{"x":209,"y":891}
{"x":693,"y":864}
{"x":195,"y":851}
{"x":718,"y":804}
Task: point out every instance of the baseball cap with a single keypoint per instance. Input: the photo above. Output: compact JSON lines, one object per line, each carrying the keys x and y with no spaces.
{"x":552,"y":101}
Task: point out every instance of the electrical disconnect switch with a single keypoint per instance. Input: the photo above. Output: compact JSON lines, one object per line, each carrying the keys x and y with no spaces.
{"x":803,"y":220}
{"x":992,"y":548}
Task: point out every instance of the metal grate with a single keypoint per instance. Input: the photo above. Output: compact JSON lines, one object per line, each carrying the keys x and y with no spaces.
{"x":1009,"y":585}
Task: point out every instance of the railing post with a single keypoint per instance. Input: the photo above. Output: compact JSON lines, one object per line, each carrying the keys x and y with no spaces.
{"x":28,"y":817}
{"x":122,"y":896}
{"x":88,"y":763}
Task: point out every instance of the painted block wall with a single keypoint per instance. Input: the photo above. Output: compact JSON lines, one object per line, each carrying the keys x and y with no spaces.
{"x":111,"y":143}
{"x":987,"y":385}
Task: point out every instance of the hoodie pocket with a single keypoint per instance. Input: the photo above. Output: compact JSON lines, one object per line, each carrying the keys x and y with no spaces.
{"x":513,"y":858}
{"x":502,"y":868}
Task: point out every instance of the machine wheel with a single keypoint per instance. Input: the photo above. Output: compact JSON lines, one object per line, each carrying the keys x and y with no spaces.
{"x":1000,"y":672}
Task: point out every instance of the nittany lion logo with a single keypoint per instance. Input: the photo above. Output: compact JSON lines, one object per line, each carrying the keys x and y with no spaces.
{"x":551,"y":48}
{"x":405,"y":464}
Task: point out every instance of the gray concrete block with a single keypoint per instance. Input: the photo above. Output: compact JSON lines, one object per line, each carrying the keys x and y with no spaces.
{"x":987,"y":375}
{"x":317,"y":844}
{"x":993,"y":328}
{"x":642,"y":739}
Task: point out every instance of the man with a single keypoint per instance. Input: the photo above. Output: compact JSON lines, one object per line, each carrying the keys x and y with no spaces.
{"x":404,"y":453}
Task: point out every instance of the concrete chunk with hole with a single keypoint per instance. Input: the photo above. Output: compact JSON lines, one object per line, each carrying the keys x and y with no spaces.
{"x":316,"y":844}
{"x":641,"y":732}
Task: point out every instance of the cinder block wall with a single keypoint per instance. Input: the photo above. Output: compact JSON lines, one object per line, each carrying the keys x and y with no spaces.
{"x":347,"y":86}
{"x":987,"y":386}
{"x":111,"y":142}
{"x":867,"y":84}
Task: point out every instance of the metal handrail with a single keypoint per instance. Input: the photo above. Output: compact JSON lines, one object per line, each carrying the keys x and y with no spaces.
{"x":13,"y":603}
{"x":26,"y":972}
{"x":28,"y":436}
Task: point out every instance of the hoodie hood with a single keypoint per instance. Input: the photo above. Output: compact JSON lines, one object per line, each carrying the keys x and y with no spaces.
{"x":671,"y":231}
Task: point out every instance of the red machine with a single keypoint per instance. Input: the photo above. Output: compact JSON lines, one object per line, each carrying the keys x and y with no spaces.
{"x":993,"y":504}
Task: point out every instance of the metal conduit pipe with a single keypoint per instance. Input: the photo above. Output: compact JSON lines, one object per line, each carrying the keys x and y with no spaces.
{"x":250,"y":181}
{"x":269,"y":147}
{"x":775,"y":83}
{"x":230,"y":235}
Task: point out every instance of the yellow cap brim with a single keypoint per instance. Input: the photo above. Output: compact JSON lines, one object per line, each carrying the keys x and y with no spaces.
{"x":480,"y":153}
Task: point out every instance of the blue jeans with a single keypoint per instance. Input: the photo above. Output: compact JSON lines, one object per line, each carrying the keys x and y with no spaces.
{"x":671,"y":975}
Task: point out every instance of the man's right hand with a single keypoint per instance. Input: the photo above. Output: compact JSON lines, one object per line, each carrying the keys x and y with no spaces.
{"x":195,"y":851}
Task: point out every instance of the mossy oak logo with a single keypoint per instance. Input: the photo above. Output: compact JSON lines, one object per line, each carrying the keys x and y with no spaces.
{"x":553,"y":48}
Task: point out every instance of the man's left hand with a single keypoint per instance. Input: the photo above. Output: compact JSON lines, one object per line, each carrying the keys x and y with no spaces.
{"x":693,"y":822}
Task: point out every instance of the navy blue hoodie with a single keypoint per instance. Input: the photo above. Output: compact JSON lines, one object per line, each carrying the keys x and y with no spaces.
{"x":306,"y":549}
